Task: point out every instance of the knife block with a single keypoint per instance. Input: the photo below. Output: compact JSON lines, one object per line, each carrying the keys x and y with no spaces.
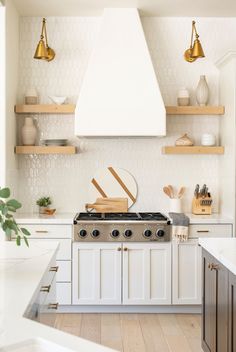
{"x":202,"y":205}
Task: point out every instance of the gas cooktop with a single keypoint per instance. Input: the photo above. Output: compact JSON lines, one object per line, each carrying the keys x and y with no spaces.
{"x":146,"y":216}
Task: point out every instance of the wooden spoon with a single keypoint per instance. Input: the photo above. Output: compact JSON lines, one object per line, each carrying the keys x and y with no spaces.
{"x":181,"y":192}
{"x":171,"y":191}
{"x":166,"y":190}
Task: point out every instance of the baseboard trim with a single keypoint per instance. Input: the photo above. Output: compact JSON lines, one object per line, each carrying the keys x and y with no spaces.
{"x":130,"y":309}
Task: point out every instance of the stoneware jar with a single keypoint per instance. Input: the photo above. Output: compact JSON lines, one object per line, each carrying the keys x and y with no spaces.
{"x":202,"y":91}
{"x":29,"y":132}
{"x":31,"y":96}
{"x":183,"y":97}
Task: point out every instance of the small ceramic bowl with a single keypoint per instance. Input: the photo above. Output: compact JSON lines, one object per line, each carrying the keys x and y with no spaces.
{"x":58,"y":100}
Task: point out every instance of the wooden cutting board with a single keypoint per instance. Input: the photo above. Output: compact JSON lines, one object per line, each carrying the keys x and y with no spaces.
{"x":109,"y":205}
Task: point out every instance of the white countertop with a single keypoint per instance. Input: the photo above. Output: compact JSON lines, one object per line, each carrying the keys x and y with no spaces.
{"x":209,"y":219}
{"x":223,"y":249}
{"x":35,"y":218}
{"x":21,"y":270}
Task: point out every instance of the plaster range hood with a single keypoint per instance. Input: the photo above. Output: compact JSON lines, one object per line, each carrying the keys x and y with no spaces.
{"x":120,"y":95}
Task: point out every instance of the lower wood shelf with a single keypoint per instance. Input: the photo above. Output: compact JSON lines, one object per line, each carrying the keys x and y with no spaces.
{"x":39,"y":149}
{"x":192,"y":150}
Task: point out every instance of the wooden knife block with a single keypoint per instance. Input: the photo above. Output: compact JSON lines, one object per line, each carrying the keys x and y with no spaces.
{"x":202,"y":205}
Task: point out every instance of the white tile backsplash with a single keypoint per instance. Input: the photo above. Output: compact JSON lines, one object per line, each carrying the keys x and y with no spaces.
{"x":66,"y":178}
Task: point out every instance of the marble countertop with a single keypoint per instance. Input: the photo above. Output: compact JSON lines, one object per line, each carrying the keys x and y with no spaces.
{"x":223,"y":249}
{"x":67,"y":218}
{"x":21,"y":270}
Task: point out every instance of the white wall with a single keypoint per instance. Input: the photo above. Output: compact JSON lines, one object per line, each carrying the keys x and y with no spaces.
{"x":66,"y":178}
{"x":12,"y":54}
{"x":2,"y":97}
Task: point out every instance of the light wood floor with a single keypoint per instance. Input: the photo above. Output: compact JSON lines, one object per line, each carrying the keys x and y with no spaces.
{"x":136,"y":332}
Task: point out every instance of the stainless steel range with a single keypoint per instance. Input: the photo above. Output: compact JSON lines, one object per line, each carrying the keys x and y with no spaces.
{"x":121,"y":227}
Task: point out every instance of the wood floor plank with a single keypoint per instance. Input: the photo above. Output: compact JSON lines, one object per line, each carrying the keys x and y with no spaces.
{"x":189,"y":325}
{"x":91,"y":327}
{"x":152,"y":333}
{"x":177,"y":343}
{"x":70,"y":323}
{"x":111,"y":331}
{"x":131,"y":333}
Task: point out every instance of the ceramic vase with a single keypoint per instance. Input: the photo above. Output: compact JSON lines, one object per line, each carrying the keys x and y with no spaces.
{"x":29,"y":132}
{"x":202,"y":91}
{"x":31,"y":96}
{"x":183,"y":97}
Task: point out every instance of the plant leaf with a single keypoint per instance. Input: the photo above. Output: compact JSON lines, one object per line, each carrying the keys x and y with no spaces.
{"x":13,"y":203}
{"x":5,"y":210}
{"x":5,"y":193}
{"x":11,"y":209}
{"x":25,"y":231}
{"x":26,"y":241}
{"x":18,"y":240}
{"x":8,"y":232}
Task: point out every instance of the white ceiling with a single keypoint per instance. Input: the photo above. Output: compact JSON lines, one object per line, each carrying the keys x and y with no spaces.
{"x":172,"y":8}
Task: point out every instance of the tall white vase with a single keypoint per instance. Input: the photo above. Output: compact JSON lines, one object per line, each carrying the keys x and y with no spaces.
{"x":29,"y":132}
{"x":202,"y":91}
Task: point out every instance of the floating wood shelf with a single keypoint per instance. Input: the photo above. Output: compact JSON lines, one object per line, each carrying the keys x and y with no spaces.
{"x":45,"y":150}
{"x":195,"y":110}
{"x":45,"y":109}
{"x":193,"y":150}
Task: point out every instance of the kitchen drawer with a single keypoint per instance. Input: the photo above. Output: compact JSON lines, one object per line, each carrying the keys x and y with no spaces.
{"x":64,"y":251}
{"x":49,"y":231}
{"x":210,"y":230}
{"x":64,"y":272}
{"x":63,"y":293}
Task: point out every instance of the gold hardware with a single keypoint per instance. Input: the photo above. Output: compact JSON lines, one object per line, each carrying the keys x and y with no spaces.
{"x":119,"y":249}
{"x":53,"y":305}
{"x":195,"y":50}
{"x":125,"y":249}
{"x":45,"y":288}
{"x":41,"y":231}
{"x":213,"y":266}
{"x":202,"y":231}
{"x":54,"y":268}
{"x":43,"y":51}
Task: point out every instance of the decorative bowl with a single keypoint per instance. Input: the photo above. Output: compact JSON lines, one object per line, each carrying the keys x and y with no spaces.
{"x":58,"y":100}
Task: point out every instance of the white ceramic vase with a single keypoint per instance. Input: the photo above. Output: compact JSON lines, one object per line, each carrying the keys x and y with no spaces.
{"x":202,"y":91}
{"x":29,"y":132}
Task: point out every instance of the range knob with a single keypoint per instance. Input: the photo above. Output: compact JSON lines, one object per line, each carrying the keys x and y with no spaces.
{"x":95,"y":233}
{"x":115,"y":233}
{"x":128,"y":233}
{"x":147,"y":233}
{"x":160,"y":233}
{"x":83,"y":233}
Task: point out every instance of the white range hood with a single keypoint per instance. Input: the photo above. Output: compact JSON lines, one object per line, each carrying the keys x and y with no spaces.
{"x":120,"y":95}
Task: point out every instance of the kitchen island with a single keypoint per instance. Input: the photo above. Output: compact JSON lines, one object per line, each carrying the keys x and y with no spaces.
{"x":21,"y":272}
{"x":219,"y":294}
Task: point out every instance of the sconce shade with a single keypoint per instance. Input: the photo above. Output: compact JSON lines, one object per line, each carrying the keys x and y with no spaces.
{"x":50,"y":54}
{"x":41,"y":51}
{"x":197,"y":50}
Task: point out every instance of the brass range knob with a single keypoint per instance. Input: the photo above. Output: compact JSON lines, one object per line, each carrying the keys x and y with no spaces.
{"x":125,"y":249}
{"x":213,"y":266}
{"x":119,"y":249}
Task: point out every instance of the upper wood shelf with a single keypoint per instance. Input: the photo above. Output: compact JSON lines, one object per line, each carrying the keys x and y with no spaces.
{"x":195,"y":110}
{"x":70,"y":109}
{"x":40,"y":149}
{"x":45,"y":109}
{"x":192,"y":150}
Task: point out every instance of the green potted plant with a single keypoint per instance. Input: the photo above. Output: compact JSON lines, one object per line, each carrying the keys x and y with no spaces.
{"x":7,"y":221}
{"x":43,"y":203}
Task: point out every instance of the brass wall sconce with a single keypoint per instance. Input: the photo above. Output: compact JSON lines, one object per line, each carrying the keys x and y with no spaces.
{"x":195,"y":51}
{"x":43,"y":51}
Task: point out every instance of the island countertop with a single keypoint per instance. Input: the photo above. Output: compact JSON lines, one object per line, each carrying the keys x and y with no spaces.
{"x":21,"y":270}
{"x":223,"y":249}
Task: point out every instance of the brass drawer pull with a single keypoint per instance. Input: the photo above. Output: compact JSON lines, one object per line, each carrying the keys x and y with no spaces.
{"x":125,"y":249}
{"x":41,"y":231}
{"x":119,"y":249}
{"x":203,"y":231}
{"x":45,"y":288}
{"x":53,"y":305}
{"x":54,"y":268}
{"x":213,"y":266}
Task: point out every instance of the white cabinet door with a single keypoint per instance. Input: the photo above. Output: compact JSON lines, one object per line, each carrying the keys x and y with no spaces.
{"x":186,"y":272}
{"x":147,"y":273}
{"x":96,"y":273}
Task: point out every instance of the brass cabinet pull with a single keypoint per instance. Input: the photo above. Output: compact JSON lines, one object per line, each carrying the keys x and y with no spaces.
{"x":119,"y":249}
{"x":54,"y":268}
{"x":213,"y":266}
{"x":53,"y":305}
{"x":125,"y":249}
{"x":45,"y":288}
{"x":203,"y":231}
{"x":41,"y":231}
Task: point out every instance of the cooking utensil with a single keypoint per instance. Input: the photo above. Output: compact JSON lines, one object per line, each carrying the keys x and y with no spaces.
{"x":167,"y":191}
{"x":196,"y":192}
{"x":181,"y":192}
{"x":171,"y":191}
